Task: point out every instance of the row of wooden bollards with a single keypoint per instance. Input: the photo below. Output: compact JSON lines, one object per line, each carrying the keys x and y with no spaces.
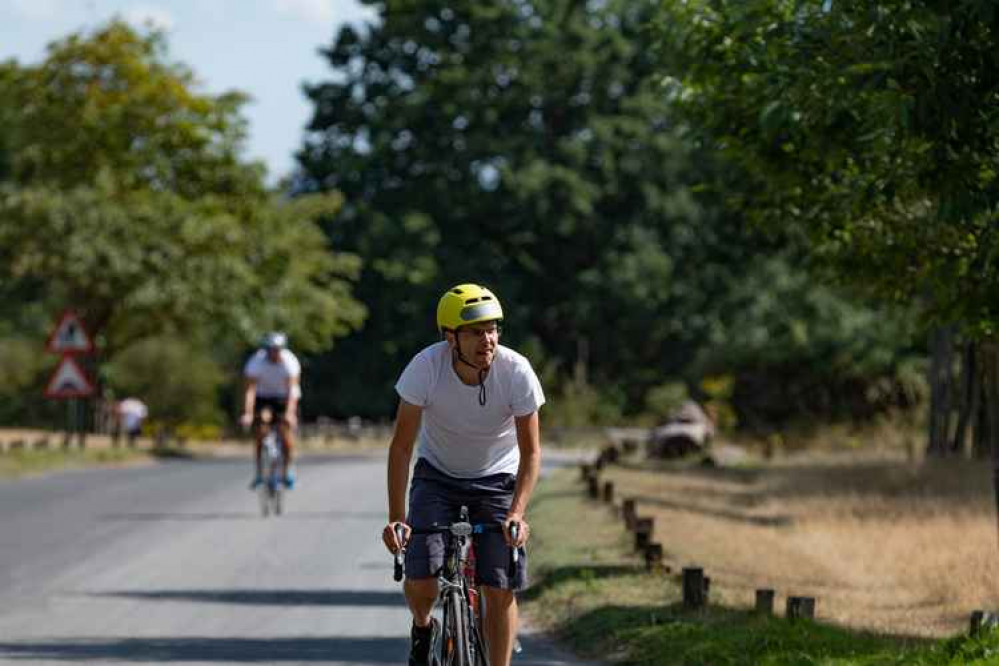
{"x":695,"y":585}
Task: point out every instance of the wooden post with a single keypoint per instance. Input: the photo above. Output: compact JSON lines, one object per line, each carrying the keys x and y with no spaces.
{"x":598,"y":464}
{"x":584,"y":471}
{"x":643,"y":532}
{"x":594,"y":486}
{"x":765,"y":601}
{"x":628,"y":511}
{"x":609,"y":491}
{"x":983,"y":620}
{"x":653,"y":556}
{"x":610,"y":454}
{"x":695,"y":595}
{"x":800,"y":608}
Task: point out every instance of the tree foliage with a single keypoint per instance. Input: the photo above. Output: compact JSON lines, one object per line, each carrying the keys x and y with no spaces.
{"x":124,"y":194}
{"x":178,"y":381}
{"x":470,"y":147}
{"x":871,"y":126}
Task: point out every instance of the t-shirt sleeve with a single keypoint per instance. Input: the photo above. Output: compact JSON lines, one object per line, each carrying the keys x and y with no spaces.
{"x":292,"y":364}
{"x":414,"y":382}
{"x":252,"y":367}
{"x":527,"y":396}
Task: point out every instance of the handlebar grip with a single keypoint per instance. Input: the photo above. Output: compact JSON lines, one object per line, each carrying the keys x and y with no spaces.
{"x":399,"y":561}
{"x":514,"y":533}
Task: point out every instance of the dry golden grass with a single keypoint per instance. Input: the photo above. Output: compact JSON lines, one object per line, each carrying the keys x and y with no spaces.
{"x":882,"y":544}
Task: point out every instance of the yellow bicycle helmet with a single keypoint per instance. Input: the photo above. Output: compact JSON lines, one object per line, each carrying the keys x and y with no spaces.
{"x":467,"y":304}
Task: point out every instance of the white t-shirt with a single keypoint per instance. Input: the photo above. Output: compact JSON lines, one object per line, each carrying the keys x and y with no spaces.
{"x":132,"y":411}
{"x":272,"y":378}
{"x":459,"y":436}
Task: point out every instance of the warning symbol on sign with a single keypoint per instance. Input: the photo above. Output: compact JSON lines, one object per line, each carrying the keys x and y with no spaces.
{"x":69,"y":336}
{"x":68,"y":381}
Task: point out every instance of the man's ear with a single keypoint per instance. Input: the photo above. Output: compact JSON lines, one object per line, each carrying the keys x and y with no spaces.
{"x":450,"y":338}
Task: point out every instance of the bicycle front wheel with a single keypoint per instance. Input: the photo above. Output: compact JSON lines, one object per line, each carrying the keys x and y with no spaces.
{"x":456,"y":646}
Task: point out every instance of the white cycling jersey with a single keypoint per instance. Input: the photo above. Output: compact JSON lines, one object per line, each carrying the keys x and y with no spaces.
{"x":272,"y":377}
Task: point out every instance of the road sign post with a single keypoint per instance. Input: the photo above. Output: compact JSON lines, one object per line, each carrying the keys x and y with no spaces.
{"x":70,"y":382}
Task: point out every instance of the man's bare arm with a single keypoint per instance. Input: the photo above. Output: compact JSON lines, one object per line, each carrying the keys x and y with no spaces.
{"x":529,"y":442}
{"x":407,"y":425}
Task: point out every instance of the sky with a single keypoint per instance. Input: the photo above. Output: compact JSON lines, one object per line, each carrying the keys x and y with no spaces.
{"x":266,"y":48}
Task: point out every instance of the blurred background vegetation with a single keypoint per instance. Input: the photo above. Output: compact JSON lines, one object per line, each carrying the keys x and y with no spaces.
{"x":764,"y":205}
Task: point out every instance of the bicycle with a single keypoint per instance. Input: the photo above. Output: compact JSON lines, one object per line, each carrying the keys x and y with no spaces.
{"x":457,"y":639}
{"x":272,"y":489}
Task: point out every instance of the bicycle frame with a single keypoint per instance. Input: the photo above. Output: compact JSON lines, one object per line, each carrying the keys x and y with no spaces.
{"x":271,"y":464}
{"x":459,"y":641}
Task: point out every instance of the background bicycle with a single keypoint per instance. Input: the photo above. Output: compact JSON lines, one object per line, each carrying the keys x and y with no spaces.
{"x":271,"y":491}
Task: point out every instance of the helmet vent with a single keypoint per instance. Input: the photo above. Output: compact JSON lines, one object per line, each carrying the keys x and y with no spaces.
{"x":456,"y":291}
{"x":473,"y":300}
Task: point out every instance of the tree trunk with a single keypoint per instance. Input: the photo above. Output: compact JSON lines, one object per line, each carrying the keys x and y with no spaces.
{"x":990,"y":379}
{"x":970,"y":391}
{"x":941,"y":381}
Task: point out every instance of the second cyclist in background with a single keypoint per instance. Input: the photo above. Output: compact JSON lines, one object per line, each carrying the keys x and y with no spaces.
{"x":272,"y":380}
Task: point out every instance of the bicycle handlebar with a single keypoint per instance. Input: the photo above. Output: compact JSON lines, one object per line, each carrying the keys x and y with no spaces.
{"x":459,"y":529}
{"x":514,"y":534}
{"x":399,"y":554}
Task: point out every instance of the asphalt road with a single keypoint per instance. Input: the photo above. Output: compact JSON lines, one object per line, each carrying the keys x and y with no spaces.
{"x":173,"y":563}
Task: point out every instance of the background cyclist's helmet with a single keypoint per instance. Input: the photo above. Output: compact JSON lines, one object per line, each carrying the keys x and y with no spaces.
{"x":274,"y":340}
{"x":467,"y":304}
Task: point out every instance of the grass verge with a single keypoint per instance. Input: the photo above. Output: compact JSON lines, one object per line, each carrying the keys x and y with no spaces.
{"x":592,"y":593}
{"x":16,"y":464}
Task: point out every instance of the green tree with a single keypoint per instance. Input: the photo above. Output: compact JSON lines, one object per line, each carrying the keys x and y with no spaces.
{"x":872,"y":129}
{"x":179,"y":382}
{"x":469,"y":147}
{"x":110,"y":104}
{"x":126,"y":197}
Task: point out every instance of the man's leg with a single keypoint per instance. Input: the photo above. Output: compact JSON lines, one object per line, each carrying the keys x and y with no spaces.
{"x":501,"y":624}
{"x":258,"y":436}
{"x":287,"y":437}
{"x":420,"y":595}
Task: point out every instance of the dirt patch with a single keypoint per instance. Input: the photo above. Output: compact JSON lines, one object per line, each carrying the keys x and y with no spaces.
{"x":882,"y":544}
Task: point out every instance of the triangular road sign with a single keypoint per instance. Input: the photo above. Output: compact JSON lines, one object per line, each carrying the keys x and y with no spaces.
{"x":68,"y":381}
{"x":69,"y":336}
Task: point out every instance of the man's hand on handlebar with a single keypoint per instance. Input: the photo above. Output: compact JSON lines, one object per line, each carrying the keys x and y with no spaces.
{"x":391,"y":539}
{"x":246,"y":420}
{"x":516,"y":538}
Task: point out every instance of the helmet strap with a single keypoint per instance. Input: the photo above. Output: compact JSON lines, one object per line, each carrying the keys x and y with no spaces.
{"x":482,"y":371}
{"x":482,"y":387}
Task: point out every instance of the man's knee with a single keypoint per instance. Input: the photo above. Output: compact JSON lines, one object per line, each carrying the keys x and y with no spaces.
{"x":498,"y":598}
{"x":421,"y":588}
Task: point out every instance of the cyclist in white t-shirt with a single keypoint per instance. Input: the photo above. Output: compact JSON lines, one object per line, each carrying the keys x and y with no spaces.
{"x":272,"y":381}
{"x":473,"y":404}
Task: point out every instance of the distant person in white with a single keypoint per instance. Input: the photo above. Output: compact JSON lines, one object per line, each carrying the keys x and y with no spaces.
{"x":131,"y":413}
{"x":474,"y":405}
{"x":272,"y":381}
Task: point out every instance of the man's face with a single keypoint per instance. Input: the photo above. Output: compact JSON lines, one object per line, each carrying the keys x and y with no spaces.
{"x":273,"y":354}
{"x":477,"y":343}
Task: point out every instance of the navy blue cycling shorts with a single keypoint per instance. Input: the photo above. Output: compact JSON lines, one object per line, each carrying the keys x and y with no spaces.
{"x":435,"y":497}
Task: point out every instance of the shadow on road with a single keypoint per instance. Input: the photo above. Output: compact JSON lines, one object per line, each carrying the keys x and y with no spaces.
{"x":244,"y":515}
{"x":392,"y":598}
{"x":362,"y":650}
